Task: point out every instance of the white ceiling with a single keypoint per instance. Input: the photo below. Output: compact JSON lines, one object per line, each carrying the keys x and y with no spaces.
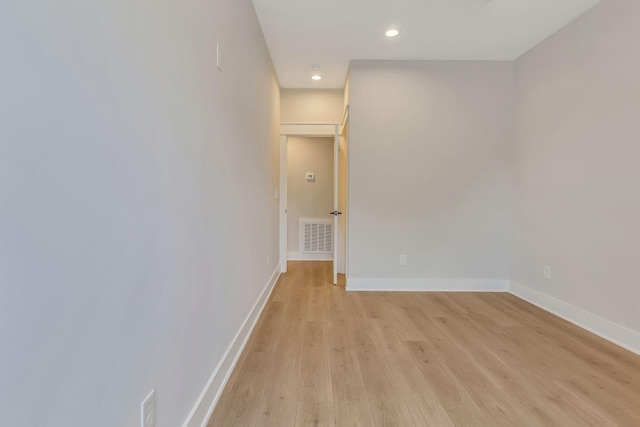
{"x":330,"y":33}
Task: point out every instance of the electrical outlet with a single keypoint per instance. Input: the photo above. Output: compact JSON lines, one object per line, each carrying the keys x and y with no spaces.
{"x":148,"y":410}
{"x":403,"y":259}
{"x":547,"y":272}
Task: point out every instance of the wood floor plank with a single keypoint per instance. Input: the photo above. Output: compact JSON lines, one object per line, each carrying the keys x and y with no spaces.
{"x":279,"y":405}
{"x":317,"y":305}
{"x":314,"y":384}
{"x":315,"y":414}
{"x":351,"y":403}
{"x":322,"y":356}
{"x":245,"y":394}
{"x":401,"y":323}
{"x":424,"y":409}
{"x":270,"y":326}
{"x":343,"y":356}
{"x":457,"y":402}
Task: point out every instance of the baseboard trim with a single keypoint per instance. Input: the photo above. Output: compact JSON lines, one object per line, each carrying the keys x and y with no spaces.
{"x":610,"y":331}
{"x":426,"y":285}
{"x":299,"y":256}
{"x":201,"y":412}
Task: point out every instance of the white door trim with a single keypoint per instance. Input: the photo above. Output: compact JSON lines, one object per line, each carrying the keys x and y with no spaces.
{"x":283,"y":203}
{"x":336,"y":166}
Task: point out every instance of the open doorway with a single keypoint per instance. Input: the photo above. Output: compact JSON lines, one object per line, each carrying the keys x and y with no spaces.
{"x":310,"y":198}
{"x":313,"y":221}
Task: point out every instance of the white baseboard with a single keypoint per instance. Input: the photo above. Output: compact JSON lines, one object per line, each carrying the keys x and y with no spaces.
{"x":299,"y":256}
{"x":427,"y":285}
{"x":201,"y":412}
{"x":610,"y":331}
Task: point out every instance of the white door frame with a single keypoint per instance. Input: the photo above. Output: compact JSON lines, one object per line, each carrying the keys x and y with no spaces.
{"x":336,"y":207}
{"x":302,"y":130}
{"x":344,"y":133}
{"x":283,"y":203}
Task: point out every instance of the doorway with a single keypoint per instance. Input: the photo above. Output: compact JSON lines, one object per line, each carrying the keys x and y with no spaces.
{"x":314,"y":231}
{"x":310,"y":194}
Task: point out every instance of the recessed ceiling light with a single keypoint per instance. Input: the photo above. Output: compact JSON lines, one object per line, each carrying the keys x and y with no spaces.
{"x":316,"y":72}
{"x":392,"y":32}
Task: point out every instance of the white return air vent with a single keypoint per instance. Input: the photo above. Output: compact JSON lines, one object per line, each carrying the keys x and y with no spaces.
{"x":316,"y":235}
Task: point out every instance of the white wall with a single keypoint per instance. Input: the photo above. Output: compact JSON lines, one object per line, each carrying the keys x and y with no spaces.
{"x":137,"y":208}
{"x":577,"y":158}
{"x":312,"y":105}
{"x":429,"y":170}
{"x":308,"y":199}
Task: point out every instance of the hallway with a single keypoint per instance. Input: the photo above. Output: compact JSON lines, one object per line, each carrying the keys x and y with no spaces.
{"x":322,"y":356}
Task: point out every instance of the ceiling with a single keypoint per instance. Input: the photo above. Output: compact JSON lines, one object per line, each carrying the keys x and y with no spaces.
{"x":330,"y":33}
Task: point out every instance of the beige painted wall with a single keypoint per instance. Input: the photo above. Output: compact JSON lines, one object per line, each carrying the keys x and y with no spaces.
{"x":577,"y":164}
{"x":429,"y":174}
{"x":308,"y":199}
{"x":312,"y":105}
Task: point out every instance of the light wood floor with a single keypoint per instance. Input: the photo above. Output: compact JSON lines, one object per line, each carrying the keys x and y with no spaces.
{"x":322,"y":356}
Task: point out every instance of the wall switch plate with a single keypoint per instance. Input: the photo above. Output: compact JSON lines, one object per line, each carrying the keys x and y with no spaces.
{"x":547,"y":272}
{"x":276,"y":195}
{"x":219,"y":56}
{"x":403,"y":259}
{"x":148,"y":410}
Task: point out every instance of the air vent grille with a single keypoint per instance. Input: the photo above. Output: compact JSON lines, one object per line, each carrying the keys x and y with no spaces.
{"x":316,"y":235}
